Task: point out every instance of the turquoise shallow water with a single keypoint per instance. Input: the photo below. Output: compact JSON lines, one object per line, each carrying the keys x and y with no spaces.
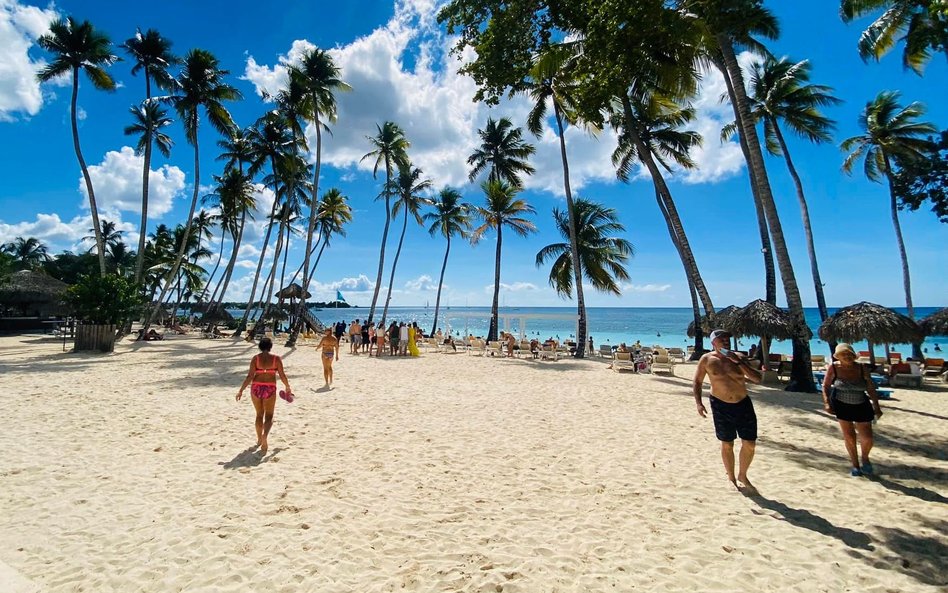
{"x":612,"y":325}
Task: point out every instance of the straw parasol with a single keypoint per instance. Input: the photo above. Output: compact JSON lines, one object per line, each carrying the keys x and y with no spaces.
{"x":766,"y":321}
{"x":935,"y":324}
{"x":722,"y":320}
{"x":293,"y":291}
{"x":874,"y":323}
{"x":29,"y":287}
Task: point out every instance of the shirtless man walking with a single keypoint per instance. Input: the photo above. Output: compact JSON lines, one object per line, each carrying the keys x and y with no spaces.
{"x":731,"y":407}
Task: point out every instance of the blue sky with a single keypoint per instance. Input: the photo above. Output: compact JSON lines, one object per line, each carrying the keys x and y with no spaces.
{"x":394,"y":56}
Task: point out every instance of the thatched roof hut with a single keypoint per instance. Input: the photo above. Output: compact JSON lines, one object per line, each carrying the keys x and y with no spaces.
{"x":32,"y":290}
{"x":760,"y":318}
{"x":874,"y":323}
{"x":722,"y":320}
{"x":293,"y":291}
{"x":935,"y":324}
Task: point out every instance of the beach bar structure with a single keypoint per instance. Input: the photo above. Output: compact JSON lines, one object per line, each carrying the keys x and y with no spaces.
{"x":28,"y":299}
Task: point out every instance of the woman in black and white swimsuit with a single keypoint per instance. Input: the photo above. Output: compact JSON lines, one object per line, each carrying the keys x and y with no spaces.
{"x":850,"y":394}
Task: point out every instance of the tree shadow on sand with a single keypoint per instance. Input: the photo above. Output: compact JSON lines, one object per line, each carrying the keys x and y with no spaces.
{"x":808,"y":520}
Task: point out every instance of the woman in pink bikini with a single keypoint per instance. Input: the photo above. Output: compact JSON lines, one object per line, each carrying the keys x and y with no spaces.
{"x":264,"y":368}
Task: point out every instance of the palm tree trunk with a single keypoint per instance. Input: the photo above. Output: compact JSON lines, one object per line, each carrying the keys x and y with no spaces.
{"x":667,"y":206}
{"x":231,"y":264}
{"x":444,"y":266}
{"x":311,"y":228}
{"x":801,"y":373}
{"x":677,"y":242}
{"x":770,"y":276}
{"x":263,"y":255}
{"x":140,"y":260}
{"x":492,"y":329}
{"x":573,"y":245}
{"x":388,"y":219}
{"x":391,"y":280}
{"x":187,"y":227}
{"x":266,"y":295}
{"x":93,"y":207}
{"x":220,"y":256}
{"x":906,"y":278}
{"x":807,"y":229}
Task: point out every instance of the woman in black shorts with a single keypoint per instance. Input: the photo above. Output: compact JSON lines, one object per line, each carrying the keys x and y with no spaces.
{"x":850,"y":394}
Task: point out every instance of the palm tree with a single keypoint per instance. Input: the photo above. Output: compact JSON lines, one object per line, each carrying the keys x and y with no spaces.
{"x":891,"y":134}
{"x":550,"y":81}
{"x":650,"y":132}
{"x":269,"y":141}
{"x":150,"y":118}
{"x":502,"y":208}
{"x":922,"y":24}
{"x":79,"y":46}
{"x":333,"y":215}
{"x":201,"y":85}
{"x":234,"y":196}
{"x":27,"y":254}
{"x":391,"y":149}
{"x":408,"y":186}
{"x":730,"y":23}
{"x":318,"y":75}
{"x":451,"y":217}
{"x":780,"y":90}
{"x":503,"y":153}
{"x":110,"y":235}
{"x":602,"y":256}
{"x":152,"y":55}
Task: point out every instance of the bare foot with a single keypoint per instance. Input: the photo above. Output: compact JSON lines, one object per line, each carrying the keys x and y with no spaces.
{"x":746,"y":487}
{"x":263,"y":446}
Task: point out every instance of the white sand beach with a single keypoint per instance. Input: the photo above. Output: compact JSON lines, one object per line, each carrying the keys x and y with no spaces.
{"x":132,"y":472}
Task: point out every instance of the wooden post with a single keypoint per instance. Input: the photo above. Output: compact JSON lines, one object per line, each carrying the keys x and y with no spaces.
{"x":94,"y":337}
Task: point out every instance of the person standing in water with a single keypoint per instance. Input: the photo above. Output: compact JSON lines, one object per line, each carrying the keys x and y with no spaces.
{"x":329,"y":346}
{"x":264,"y":368}
{"x":731,"y":407}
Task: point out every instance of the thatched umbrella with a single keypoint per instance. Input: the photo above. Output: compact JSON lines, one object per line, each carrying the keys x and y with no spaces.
{"x":29,"y":287}
{"x":764,"y":320}
{"x":874,"y":323}
{"x":722,"y":320}
{"x":935,"y":324}
{"x":293,"y":291}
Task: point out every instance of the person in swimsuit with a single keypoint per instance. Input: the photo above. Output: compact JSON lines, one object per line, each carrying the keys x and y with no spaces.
{"x":264,"y":368}
{"x":851,"y":405}
{"x":731,"y":407}
{"x":330,"y":350}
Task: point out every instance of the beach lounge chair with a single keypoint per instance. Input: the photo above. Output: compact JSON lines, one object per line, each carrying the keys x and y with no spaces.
{"x":895,"y":357}
{"x":525,"y":351}
{"x":605,"y":351}
{"x":676,"y":355}
{"x":783,"y":369}
{"x":933,"y":366}
{"x":548,"y":353}
{"x":495,"y":348}
{"x":478,"y":347}
{"x":662,"y":363}
{"x":623,"y":361}
{"x":902,"y":376}
{"x":818,"y":362}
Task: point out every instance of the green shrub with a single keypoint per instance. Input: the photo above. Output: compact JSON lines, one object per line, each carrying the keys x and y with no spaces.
{"x":104,"y":300}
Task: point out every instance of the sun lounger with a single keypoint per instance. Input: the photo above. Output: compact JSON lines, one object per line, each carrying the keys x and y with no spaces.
{"x":662,"y":364}
{"x":933,"y":366}
{"x":623,"y":361}
{"x":548,"y":353}
{"x":818,"y":362}
{"x":605,"y":351}
{"x":676,"y":355}
{"x":495,"y":348}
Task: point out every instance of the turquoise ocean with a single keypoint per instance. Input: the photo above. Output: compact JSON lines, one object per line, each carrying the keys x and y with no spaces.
{"x":606,"y":325}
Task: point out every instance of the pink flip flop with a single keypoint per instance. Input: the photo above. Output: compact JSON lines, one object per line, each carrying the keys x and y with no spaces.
{"x":287,"y":395}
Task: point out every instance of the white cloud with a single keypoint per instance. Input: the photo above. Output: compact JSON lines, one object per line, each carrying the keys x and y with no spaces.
{"x":423,"y":282}
{"x":20,"y":26}
{"x":48,"y":228}
{"x":646,"y":287}
{"x":360,"y":283}
{"x":433,"y":103}
{"x":515,"y":287}
{"x":117,"y":181}
{"x":81,"y":114}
